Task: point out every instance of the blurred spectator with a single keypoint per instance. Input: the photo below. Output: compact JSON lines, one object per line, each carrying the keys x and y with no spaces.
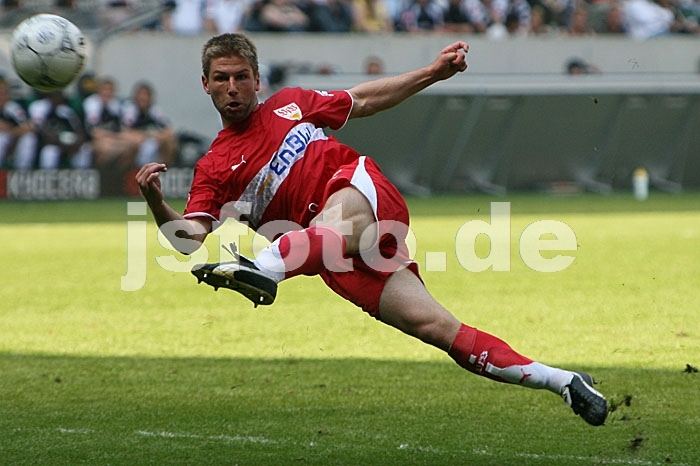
{"x":490,"y":16}
{"x":17,"y":141}
{"x":114,"y":12}
{"x":85,"y":87}
{"x":456,"y":17}
{"x":422,"y":15}
{"x":518,"y":13}
{"x":645,"y":19}
{"x":372,"y":16}
{"x":577,"y":67}
{"x":556,"y":13}
{"x":538,"y":22}
{"x":326,"y":69}
{"x":279,"y":16}
{"x":252,"y":21}
{"x":226,"y":15}
{"x":681,"y":24}
{"x":690,"y":10}
{"x":394,"y":8}
{"x":103,"y":121}
{"x":145,"y":126}
{"x":12,"y":12}
{"x":374,"y":65}
{"x":61,"y":134}
{"x":331,"y":15}
{"x":614,"y":22}
{"x":187,"y":18}
{"x":512,"y":25}
{"x":578,"y":26}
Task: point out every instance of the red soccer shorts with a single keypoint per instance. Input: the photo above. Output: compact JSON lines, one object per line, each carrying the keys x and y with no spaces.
{"x":363,"y":285}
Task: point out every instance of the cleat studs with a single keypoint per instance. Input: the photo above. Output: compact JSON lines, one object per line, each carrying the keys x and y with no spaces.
{"x":216,"y":288}
{"x":199,"y":280}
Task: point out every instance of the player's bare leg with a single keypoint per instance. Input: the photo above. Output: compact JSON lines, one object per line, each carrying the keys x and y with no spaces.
{"x":406,"y":305}
{"x":348,"y":209}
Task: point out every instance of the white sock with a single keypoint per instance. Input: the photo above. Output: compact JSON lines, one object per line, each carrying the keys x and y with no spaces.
{"x":269,"y":261}
{"x":534,"y":375}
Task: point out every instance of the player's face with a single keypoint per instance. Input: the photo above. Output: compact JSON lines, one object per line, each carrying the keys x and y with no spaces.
{"x":233,"y":87}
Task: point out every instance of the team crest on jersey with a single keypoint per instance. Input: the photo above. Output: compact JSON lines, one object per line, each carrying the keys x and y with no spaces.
{"x":289,"y":112}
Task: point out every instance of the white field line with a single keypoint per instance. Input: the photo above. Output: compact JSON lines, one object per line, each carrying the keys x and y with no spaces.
{"x":74,"y":431}
{"x":573,"y":458}
{"x":222,"y":438}
{"x":544,"y":457}
{"x":594,"y":459}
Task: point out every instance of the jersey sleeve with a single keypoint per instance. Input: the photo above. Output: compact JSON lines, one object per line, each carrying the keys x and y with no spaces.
{"x":325,"y":108}
{"x":204,"y":198}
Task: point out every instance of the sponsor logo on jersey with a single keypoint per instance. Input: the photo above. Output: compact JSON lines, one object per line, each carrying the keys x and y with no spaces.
{"x":293,"y":146}
{"x":263,"y":187}
{"x":289,"y":112}
{"x":323,"y":93}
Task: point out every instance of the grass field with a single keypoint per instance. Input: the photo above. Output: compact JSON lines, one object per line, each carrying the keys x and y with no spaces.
{"x":174,"y":373}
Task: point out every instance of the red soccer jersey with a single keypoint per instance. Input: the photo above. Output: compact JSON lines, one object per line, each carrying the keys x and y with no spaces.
{"x":275,"y":165}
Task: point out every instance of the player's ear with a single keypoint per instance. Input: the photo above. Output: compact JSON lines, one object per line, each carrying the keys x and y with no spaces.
{"x":257,"y":82}
{"x":205,"y":84}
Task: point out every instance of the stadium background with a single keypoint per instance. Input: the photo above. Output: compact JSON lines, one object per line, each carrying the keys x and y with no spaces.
{"x":515,"y":120}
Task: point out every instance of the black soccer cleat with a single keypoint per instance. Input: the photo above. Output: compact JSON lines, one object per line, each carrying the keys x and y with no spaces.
{"x":585,"y":401}
{"x":241,"y":276}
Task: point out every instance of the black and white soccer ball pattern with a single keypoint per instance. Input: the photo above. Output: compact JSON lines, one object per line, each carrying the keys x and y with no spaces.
{"x":48,"y":52}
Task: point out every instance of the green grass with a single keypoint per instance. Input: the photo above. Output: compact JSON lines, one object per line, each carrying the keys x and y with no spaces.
{"x":174,"y":373}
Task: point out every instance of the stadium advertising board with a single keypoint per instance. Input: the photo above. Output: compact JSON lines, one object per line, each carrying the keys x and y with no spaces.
{"x":50,"y":184}
{"x":56,"y":185}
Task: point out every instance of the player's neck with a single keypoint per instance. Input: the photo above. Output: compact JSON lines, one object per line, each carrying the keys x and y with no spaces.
{"x":239,"y":125}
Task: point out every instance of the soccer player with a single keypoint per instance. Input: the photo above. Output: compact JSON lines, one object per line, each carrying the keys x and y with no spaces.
{"x":344,"y":220}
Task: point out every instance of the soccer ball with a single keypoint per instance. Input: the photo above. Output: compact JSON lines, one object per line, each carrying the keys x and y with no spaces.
{"x":48,"y":52}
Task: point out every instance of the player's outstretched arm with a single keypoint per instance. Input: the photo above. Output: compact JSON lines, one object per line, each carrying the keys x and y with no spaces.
{"x":374,"y":96}
{"x":192,"y":231}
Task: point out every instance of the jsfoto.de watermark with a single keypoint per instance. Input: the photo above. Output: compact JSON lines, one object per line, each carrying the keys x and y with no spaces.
{"x":552,"y":236}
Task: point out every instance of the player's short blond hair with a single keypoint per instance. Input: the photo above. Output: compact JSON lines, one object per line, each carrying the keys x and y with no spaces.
{"x":226,"y":45}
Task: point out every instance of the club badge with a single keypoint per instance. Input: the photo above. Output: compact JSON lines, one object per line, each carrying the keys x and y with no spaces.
{"x":289,"y":112}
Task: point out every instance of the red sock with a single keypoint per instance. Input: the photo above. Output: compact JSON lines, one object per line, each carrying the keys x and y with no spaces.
{"x":486,"y":355}
{"x":303,"y":251}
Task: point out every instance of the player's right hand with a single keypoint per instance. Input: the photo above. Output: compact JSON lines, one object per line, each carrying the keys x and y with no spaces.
{"x":148,"y":179}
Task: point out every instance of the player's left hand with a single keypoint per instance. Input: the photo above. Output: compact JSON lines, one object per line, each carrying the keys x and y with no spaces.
{"x":451,"y":60}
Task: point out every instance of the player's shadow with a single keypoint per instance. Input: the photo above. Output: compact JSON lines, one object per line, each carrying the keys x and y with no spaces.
{"x":130,"y":410}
